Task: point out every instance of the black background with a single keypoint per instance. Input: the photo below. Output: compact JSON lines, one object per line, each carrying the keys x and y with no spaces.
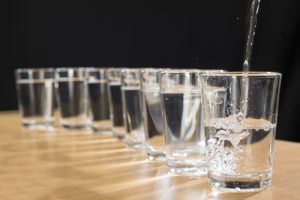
{"x":201,"y":34}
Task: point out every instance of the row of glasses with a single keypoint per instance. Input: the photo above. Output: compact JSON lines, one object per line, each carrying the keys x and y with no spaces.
{"x":80,"y":93}
{"x":198,"y":121}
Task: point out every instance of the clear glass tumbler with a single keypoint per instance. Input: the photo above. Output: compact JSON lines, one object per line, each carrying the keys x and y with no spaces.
{"x":152,"y":114}
{"x":183,"y":126}
{"x":98,"y":101}
{"x":71,"y":87}
{"x":115,"y":102}
{"x":240,"y":112}
{"x":132,"y":108}
{"x":35,"y":88}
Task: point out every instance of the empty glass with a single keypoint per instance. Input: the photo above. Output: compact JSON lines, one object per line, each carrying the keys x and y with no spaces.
{"x":98,"y":101}
{"x":183,"y":126}
{"x":35,"y":97}
{"x":132,"y":108}
{"x":152,"y":114}
{"x":115,"y":102}
{"x":72,"y":97}
{"x":240,"y":112}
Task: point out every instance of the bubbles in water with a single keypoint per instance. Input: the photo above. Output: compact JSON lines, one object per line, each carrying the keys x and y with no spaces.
{"x":232,"y":128}
{"x":223,"y":135}
{"x":267,"y":127}
{"x":224,"y":158}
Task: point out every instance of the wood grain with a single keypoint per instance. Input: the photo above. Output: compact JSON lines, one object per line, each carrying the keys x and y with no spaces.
{"x":81,"y":165}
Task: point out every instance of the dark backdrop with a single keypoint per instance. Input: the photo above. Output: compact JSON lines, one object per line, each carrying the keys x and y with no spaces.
{"x":205,"y":34}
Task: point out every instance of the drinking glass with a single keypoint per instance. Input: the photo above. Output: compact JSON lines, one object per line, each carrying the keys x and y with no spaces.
{"x":132,"y":108}
{"x":183,"y":125}
{"x":71,"y":87}
{"x":240,"y":112}
{"x":152,"y":114}
{"x":98,"y":101}
{"x":35,"y":97}
{"x":115,"y":102}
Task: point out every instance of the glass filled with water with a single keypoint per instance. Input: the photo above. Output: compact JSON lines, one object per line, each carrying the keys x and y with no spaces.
{"x":132,"y":108}
{"x":115,"y":102}
{"x":152,"y":114}
{"x":180,"y":92}
{"x":98,"y":101}
{"x":71,"y":87}
{"x":35,"y":88}
{"x":240,"y":112}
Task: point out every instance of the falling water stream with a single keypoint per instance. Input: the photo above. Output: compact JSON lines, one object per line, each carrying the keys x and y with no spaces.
{"x":252,"y":20}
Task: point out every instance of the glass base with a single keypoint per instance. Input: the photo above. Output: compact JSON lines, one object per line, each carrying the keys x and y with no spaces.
{"x":101,"y":130}
{"x":119,"y":132}
{"x":74,"y":126}
{"x":137,"y":145}
{"x":102,"y":126}
{"x":154,"y":154}
{"x":188,"y":171}
{"x":32,"y":125}
{"x":255,"y":183}
{"x":160,"y":158}
{"x":187,"y":168}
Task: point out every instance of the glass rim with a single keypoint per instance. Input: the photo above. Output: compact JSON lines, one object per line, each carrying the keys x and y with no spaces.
{"x":152,"y":70}
{"x":179,"y":71}
{"x":62,"y":69}
{"x":24,"y":70}
{"x":97,"y":69}
{"x":115,"y":69}
{"x":131,"y":69}
{"x":243,"y":74}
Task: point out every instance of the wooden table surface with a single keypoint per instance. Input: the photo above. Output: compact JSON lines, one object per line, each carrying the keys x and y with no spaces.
{"x":82,"y":165}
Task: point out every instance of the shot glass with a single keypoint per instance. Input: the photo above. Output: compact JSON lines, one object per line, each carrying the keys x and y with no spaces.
{"x":132,"y":108}
{"x":98,"y":101}
{"x":240,"y":112}
{"x":152,"y":114}
{"x":35,"y":88}
{"x":71,"y":87}
{"x":183,"y":126}
{"x":115,"y":102}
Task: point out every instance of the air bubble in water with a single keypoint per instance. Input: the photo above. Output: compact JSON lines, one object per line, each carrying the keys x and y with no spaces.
{"x":267,"y":128}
